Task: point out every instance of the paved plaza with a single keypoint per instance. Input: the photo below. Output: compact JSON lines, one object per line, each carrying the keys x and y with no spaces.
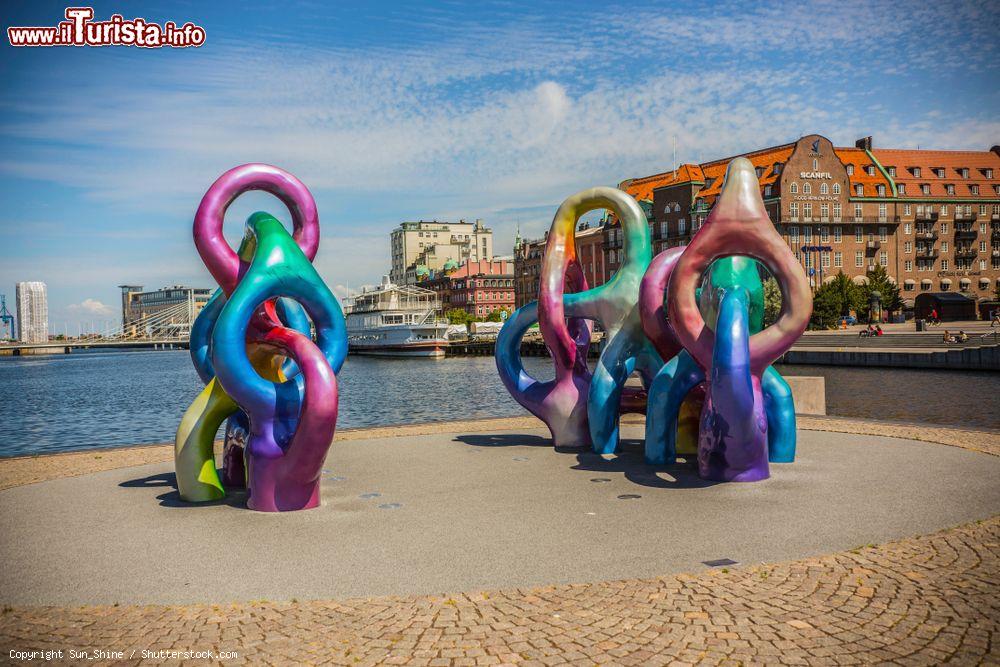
{"x":485,"y":546}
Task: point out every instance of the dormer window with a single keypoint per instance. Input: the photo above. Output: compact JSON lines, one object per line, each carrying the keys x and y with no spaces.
{"x":939,"y":172}
{"x":759,"y":171}
{"x":974,"y":189}
{"x":950,"y":189}
{"x":777,"y":169}
{"x":901,"y":188}
{"x":859,"y":190}
{"x":988,"y":173}
{"x":880,"y":189}
{"x":916,"y":172}
{"x":767,"y":190}
{"x":708,"y":182}
{"x":925,"y":188}
{"x":850,"y":170}
{"x":870,"y":170}
{"x":892,"y":171}
{"x":964,"y":172}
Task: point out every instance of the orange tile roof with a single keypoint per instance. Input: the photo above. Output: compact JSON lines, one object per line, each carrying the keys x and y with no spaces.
{"x":642,"y":188}
{"x":483,"y":267}
{"x":861,"y":162}
{"x":765,"y":159}
{"x":952,"y":161}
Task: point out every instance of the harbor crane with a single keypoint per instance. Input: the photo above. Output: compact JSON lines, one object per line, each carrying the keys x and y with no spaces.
{"x":6,"y":319}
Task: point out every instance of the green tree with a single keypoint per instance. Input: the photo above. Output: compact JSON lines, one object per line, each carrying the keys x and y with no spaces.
{"x":772,"y":301}
{"x":878,"y":281}
{"x":459,"y":316}
{"x":834,"y":300}
{"x":495,"y":316}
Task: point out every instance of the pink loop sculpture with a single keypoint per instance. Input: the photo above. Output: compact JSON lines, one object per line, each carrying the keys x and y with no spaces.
{"x":252,"y":346}
{"x":733,"y":437}
{"x":581,"y":408}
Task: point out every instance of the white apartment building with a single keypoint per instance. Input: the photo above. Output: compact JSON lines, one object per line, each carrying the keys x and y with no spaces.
{"x":417,"y":248}
{"x":32,"y":312}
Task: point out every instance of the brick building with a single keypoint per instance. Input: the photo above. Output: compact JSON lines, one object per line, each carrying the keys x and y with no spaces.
{"x":477,"y":287}
{"x":931,"y":218}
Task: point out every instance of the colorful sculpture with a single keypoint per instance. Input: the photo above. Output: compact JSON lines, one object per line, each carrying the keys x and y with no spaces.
{"x":251,"y":345}
{"x":747,"y":417}
{"x":581,"y":408}
{"x":718,"y":395}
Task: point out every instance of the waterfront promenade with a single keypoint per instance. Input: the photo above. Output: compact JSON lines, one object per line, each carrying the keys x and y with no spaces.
{"x":485,"y":546}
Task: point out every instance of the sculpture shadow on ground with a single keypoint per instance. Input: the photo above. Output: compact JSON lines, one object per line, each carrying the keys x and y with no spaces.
{"x":629,"y":461}
{"x":172,"y":498}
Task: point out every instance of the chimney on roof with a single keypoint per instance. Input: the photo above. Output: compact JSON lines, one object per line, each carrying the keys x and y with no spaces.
{"x":995,"y":149}
{"x":864,"y":143}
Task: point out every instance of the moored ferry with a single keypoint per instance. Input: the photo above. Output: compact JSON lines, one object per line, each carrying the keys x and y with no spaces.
{"x":397,"y":321}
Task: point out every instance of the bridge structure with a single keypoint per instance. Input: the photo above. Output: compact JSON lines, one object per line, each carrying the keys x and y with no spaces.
{"x":167,"y":328}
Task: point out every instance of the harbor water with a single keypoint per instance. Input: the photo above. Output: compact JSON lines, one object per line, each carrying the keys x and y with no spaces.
{"x":106,"y":399}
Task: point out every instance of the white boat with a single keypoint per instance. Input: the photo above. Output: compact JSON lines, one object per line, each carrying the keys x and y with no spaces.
{"x":397,"y":321}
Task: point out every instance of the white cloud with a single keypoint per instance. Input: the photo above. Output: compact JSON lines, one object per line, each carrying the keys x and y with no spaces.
{"x":90,"y":307}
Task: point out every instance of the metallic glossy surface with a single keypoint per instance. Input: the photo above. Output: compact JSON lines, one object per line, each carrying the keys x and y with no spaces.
{"x":734,"y":435}
{"x":581,"y":408}
{"x":251,"y":344}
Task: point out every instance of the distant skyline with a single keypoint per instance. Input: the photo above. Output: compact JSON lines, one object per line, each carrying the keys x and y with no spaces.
{"x":402,"y":111}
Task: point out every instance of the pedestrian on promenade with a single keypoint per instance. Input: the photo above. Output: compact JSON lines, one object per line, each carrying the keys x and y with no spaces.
{"x":947,"y":337}
{"x":934,"y":319}
{"x":996,"y":319}
{"x":962,"y":336}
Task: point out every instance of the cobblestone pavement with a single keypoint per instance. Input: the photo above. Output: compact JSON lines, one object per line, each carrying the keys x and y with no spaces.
{"x":921,"y":601}
{"x":23,"y":470}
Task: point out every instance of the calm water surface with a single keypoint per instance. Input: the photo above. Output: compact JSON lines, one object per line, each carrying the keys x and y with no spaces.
{"x":104,"y":399}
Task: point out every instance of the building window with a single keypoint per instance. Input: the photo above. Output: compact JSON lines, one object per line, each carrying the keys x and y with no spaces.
{"x":838,"y":259}
{"x":880,"y":189}
{"x":892,"y":171}
{"x":793,"y":233}
{"x":944,"y":227}
{"x":881,"y":212}
{"x":901,"y":188}
{"x":974,"y":189}
{"x":857,"y":212}
{"x":982,"y":265}
{"x":950,"y":188}
{"x":836,"y":188}
{"x":681,"y":227}
{"x":982,"y":246}
{"x":824,"y":188}
{"x":883,"y":258}
{"x":982,"y":209}
{"x":850,"y":170}
{"x":793,"y":210}
{"x":871,"y":170}
{"x":838,"y":233}
{"x":908,"y":247}
{"x":944,"y":246}
{"x":858,"y":235}
{"x":776,"y":169}
{"x":907,"y":228}
{"x":944,"y":265}
{"x":916,"y":172}
{"x":807,"y":233}
{"x":906,"y":209}
{"x":807,"y":211}
{"x":964,"y":171}
{"x":807,"y":188}
{"x":793,"y":188}
{"x":767,"y":190}
{"x":663,"y":229}
{"x":908,"y":265}
{"x":989,"y":173}
{"x":925,"y":189}
{"x":824,"y":211}
{"x":859,"y":190}
{"x":859,"y":258}
{"x":824,"y":258}
{"x":939,"y":172}
{"x":824,"y":234}
{"x":836,"y":212}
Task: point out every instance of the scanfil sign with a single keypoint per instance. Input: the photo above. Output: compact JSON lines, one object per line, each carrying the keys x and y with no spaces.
{"x":815,"y":174}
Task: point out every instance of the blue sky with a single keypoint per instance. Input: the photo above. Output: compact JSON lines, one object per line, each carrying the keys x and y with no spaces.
{"x":393,"y":111}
